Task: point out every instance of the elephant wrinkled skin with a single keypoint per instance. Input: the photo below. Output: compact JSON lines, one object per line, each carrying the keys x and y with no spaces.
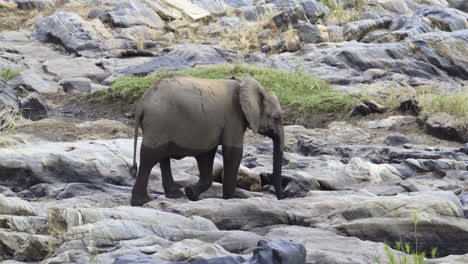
{"x":184,"y":116}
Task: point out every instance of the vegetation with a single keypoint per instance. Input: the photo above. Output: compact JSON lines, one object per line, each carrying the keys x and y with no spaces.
{"x":300,"y":91}
{"x":411,"y":256}
{"x":454,"y":104}
{"x":9,"y":74}
{"x":340,"y":15}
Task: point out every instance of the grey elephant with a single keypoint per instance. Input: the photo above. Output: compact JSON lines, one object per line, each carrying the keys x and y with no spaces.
{"x":184,"y":116}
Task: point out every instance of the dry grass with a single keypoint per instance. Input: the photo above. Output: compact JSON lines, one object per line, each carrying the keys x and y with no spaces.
{"x":9,"y":121}
{"x":14,"y":18}
{"x":253,"y":37}
{"x":339,"y":15}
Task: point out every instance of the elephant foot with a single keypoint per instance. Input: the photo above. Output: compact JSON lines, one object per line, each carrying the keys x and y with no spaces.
{"x":176,"y":193}
{"x":191,"y":194}
{"x":139,"y":200}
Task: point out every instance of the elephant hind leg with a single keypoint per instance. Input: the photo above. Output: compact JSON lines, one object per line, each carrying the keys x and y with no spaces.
{"x":148,"y":158}
{"x":205,"y":166}
{"x":171,"y":189}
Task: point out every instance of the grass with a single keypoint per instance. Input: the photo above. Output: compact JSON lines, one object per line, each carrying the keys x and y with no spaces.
{"x":298,"y":91}
{"x":9,"y":121}
{"x":14,"y":18}
{"x":252,"y":37}
{"x":455,"y":104}
{"x":339,"y":15}
{"x":9,"y":74}
{"x":413,"y":255}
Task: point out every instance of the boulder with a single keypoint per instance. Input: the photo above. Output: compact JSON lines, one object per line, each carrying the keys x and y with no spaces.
{"x":132,"y":13}
{"x":215,"y":7}
{"x":307,"y":11}
{"x":66,"y":162}
{"x":76,"y":84}
{"x":187,"y":8}
{"x":69,"y":31}
{"x":327,"y":247}
{"x":277,"y":252}
{"x":33,"y":108}
{"x":36,"y":4}
{"x":191,"y":250}
{"x":256,"y":12}
{"x":445,"y":126}
{"x":367,"y":107}
{"x":347,"y":62}
{"x":66,"y":68}
{"x":8,"y":98}
{"x":32,"y":81}
{"x":14,"y":206}
{"x":202,"y":54}
{"x":159,"y":64}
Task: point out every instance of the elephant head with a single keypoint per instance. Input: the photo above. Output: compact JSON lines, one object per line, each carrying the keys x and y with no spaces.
{"x":264,"y":116}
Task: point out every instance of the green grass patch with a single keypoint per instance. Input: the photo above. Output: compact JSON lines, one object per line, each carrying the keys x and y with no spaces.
{"x":9,"y":74}
{"x":301,"y":91}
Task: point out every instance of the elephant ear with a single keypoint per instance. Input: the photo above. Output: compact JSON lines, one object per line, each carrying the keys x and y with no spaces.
{"x":251,"y":96}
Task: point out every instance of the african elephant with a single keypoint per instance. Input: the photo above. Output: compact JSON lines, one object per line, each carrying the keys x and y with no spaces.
{"x":184,"y":116}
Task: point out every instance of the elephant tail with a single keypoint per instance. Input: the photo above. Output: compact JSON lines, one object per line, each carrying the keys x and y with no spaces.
{"x":134,"y":168}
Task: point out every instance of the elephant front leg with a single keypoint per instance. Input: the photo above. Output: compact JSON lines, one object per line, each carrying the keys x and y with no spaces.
{"x":232,"y":157}
{"x":171,"y":189}
{"x":205,"y":167}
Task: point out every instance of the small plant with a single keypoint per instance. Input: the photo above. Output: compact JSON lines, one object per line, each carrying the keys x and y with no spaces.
{"x":412,"y":256}
{"x":9,"y":74}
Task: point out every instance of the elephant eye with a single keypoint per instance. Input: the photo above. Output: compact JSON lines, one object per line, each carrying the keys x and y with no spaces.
{"x":277,"y":118}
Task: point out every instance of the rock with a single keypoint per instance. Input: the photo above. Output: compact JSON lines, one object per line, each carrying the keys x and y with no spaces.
{"x":65,"y":219}
{"x":239,"y":3}
{"x":256,"y":12}
{"x":133,"y":13}
{"x":36,"y":4}
{"x":68,"y":30}
{"x":185,"y":7}
{"x":358,"y":29}
{"x":367,"y":107}
{"x":411,"y":106}
{"x":31,"y":81}
{"x":324,"y":246}
{"x":8,"y":99}
{"x":202,"y":54}
{"x":346,"y":62}
{"x":445,"y":126}
{"x":14,"y":206}
{"x":89,"y":162}
{"x":78,"y":84}
{"x":32,"y":107}
{"x":159,"y":64}
{"x":35,"y":248}
{"x":458,"y":4}
{"x":396,"y":140}
{"x":278,"y":252}
{"x":164,"y":11}
{"x":215,"y":7}
{"x":397,"y":223}
{"x":391,"y":122}
{"x":67,"y":68}
{"x":95,"y":13}
{"x":308,"y":11}
{"x":191,"y":250}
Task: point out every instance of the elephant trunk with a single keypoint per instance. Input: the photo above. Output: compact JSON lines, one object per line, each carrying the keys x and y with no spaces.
{"x":278,"y":146}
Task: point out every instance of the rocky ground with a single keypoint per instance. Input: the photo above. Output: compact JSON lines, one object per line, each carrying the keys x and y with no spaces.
{"x":351,"y":184}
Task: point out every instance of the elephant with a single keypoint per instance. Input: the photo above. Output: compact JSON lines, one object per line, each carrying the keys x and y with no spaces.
{"x":182,"y":116}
